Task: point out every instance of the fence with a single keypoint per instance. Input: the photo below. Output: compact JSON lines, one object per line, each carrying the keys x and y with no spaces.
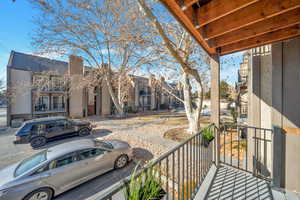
{"x":180,"y":171}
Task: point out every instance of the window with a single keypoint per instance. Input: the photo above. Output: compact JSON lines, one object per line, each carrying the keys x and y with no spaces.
{"x":85,"y":154}
{"x":30,"y":163}
{"x":65,"y":160}
{"x":42,"y":103}
{"x":50,"y":126}
{"x":57,"y":83}
{"x":103,"y":144}
{"x":37,"y":128}
{"x":61,"y":123}
{"x":58,"y":102}
{"x":41,"y":170}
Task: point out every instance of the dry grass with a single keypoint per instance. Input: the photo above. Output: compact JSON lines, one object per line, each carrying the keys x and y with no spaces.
{"x":177,"y":134}
{"x":182,"y":121}
{"x":231,"y":142}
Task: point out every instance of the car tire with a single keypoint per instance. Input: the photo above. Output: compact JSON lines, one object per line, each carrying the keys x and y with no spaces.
{"x":40,"y":194}
{"x":38,"y":141}
{"x":121,"y":161}
{"x":84,"y":132}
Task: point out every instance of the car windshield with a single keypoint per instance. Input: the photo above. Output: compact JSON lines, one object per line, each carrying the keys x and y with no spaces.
{"x":30,"y":163}
{"x":24,"y":127}
{"x":103,"y":144}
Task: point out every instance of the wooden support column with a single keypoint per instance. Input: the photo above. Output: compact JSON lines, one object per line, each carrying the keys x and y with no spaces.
{"x":215,"y":100}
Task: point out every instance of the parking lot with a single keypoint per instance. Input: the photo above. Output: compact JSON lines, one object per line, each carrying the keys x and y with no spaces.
{"x":137,"y":131}
{"x":10,"y":153}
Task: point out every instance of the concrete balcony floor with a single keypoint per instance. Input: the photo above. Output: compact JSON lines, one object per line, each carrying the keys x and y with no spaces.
{"x":232,"y":184}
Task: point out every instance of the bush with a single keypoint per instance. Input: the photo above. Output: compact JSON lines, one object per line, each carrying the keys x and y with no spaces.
{"x":207,"y":133}
{"x":145,"y":186}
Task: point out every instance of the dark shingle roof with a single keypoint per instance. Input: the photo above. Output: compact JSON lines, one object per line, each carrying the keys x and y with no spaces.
{"x":33,"y":63}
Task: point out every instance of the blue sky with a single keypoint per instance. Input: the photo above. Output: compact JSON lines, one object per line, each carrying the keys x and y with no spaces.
{"x":17,"y":26}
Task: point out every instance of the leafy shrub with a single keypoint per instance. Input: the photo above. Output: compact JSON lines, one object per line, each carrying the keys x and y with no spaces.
{"x":207,"y":133}
{"x":145,"y":186}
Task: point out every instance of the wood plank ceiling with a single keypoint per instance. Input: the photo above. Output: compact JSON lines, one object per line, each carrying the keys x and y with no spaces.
{"x":228,"y":26}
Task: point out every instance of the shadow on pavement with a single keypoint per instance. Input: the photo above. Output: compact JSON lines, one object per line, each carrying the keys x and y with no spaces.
{"x":142,"y":155}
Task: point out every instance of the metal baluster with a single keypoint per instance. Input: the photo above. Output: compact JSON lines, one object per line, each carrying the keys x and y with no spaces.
{"x":167,"y":181}
{"x":194,"y":164}
{"x":255,"y":153}
{"x":231,"y":147}
{"x":200,"y":158}
{"x":224,"y":146}
{"x":265,"y":149}
{"x":197,"y":161}
{"x":178,"y":184}
{"x":183,"y":178}
{"x":173,"y":175}
{"x":191,"y":168}
{"x":187,"y":170}
{"x":160,"y":174}
{"x":238,"y":135}
{"x":246,"y":132}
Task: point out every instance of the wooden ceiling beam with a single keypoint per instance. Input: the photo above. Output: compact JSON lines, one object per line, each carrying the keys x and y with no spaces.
{"x":177,"y":12}
{"x":246,"y":16}
{"x":272,"y":24}
{"x":188,"y":3}
{"x":267,"y":38}
{"x":216,"y":9}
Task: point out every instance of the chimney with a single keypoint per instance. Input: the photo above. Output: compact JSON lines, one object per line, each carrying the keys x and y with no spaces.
{"x":75,"y":65}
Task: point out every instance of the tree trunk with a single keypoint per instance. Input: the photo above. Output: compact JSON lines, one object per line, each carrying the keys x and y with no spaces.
{"x":194,"y":125}
{"x":192,"y":111}
{"x":115,"y":100}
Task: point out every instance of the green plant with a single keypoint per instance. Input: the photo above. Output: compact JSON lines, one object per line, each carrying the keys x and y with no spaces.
{"x":207,"y":133}
{"x":145,"y":186}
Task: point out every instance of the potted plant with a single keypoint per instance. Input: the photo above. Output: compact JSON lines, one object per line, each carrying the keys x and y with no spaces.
{"x":207,"y":136}
{"x":145,"y":186}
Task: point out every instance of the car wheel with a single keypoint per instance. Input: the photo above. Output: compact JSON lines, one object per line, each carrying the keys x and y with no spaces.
{"x":38,"y":141}
{"x":40,"y":194}
{"x":84,"y":132}
{"x":121,"y":161}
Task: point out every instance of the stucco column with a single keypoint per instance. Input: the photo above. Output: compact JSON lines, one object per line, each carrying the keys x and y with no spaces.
{"x":76,"y":92}
{"x":276,"y":114}
{"x":136,"y":94}
{"x":215,"y":100}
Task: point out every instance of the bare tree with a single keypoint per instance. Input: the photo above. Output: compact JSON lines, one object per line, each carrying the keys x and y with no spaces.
{"x":187,"y":59}
{"x":105,"y":33}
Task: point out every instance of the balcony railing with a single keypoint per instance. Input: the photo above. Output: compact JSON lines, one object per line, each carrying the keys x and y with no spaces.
{"x":247,"y":148}
{"x":180,"y":171}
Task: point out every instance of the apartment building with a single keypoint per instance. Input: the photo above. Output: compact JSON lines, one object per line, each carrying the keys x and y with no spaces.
{"x":242,"y":85}
{"x":37,"y":87}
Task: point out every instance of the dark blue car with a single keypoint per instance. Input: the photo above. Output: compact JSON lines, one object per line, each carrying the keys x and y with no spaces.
{"x":38,"y":131}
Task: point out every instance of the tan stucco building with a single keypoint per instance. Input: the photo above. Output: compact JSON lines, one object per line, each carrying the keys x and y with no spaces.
{"x":25,"y":73}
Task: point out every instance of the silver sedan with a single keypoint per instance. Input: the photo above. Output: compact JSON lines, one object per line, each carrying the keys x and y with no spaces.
{"x":62,"y":167}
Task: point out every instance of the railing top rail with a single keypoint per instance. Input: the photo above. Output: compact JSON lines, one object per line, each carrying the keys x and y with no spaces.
{"x":246,"y":126}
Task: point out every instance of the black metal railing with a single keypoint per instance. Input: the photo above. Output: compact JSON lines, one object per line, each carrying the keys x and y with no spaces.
{"x":180,"y":171}
{"x":247,"y":148}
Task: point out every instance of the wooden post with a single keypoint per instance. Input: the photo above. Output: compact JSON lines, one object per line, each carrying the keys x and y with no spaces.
{"x":215,"y":101}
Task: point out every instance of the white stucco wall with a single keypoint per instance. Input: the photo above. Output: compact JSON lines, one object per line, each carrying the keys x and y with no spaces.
{"x":21,"y":98}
